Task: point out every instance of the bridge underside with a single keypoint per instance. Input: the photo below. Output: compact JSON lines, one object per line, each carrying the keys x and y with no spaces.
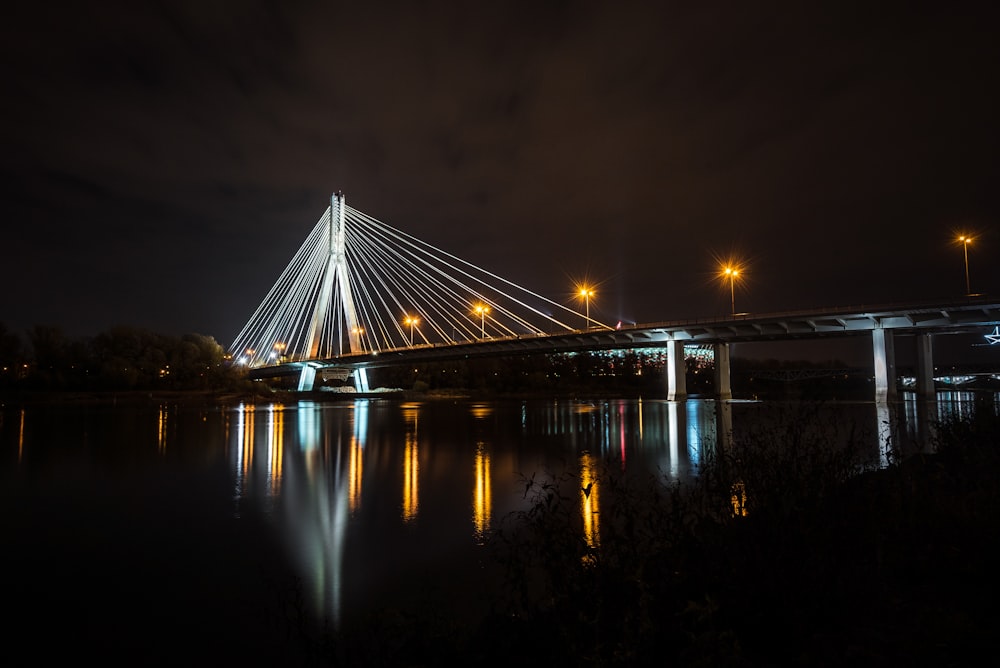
{"x":306,"y":377}
{"x":882,"y":327}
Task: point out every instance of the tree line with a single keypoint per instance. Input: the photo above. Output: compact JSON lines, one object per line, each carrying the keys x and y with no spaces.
{"x":121,"y":358}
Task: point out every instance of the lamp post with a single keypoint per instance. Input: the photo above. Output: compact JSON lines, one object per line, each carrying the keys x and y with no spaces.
{"x":412,"y":322}
{"x":482,"y":310}
{"x":732,"y":273}
{"x":587,"y":293}
{"x":965,"y":240}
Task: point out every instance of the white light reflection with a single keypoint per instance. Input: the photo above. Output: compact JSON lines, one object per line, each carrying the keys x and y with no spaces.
{"x":361,"y":420}
{"x":918,"y":417}
{"x":697,"y":430}
{"x":243,"y":450}
{"x":308,"y":426}
{"x":954,"y":404}
{"x":316,"y":486}
{"x":885,"y":431}
{"x":355,"y":469}
{"x":319,"y":504}
{"x":275,"y":447}
{"x":675,"y":429}
{"x":676,"y":434}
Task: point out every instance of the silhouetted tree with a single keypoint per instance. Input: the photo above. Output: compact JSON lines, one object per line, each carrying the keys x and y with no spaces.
{"x":11,"y":356}
{"x":58,"y":362}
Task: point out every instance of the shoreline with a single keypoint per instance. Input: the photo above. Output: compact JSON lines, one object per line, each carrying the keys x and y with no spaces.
{"x":135,"y":397}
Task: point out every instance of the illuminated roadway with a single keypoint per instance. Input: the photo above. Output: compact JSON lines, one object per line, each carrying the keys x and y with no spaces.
{"x":882,"y":323}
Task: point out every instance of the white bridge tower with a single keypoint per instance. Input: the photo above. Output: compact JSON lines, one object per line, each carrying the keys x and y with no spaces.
{"x":335,"y":272}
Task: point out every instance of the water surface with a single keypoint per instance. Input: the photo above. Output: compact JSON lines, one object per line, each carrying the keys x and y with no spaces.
{"x":141,"y":525}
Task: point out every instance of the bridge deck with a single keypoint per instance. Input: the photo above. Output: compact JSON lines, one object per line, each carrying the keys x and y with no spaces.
{"x":970,"y":315}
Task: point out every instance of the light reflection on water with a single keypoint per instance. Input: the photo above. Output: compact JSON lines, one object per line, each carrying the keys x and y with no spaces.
{"x":590,"y":505}
{"x":483,"y":503}
{"x":376,"y":490}
{"x":411,"y":463}
{"x":371,"y":497}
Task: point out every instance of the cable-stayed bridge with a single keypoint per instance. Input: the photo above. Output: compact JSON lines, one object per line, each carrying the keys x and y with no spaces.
{"x":357,"y":285}
{"x":360,"y":294}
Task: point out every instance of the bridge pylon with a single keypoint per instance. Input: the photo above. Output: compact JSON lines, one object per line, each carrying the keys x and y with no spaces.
{"x":335,"y":280}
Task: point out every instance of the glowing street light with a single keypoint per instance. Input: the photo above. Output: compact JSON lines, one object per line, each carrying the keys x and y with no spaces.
{"x":732,"y":273}
{"x":412,"y":322}
{"x":482,"y":310}
{"x":965,"y":240}
{"x":587,"y":293}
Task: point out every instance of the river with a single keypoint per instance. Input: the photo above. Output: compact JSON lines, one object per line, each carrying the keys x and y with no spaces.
{"x":144,"y":529}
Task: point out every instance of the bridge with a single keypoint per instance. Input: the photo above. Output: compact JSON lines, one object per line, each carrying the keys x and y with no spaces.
{"x":360,"y":294}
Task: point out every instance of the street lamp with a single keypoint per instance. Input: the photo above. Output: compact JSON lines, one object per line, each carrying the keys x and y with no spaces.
{"x":587,"y":293}
{"x":965,"y":240}
{"x":482,"y":310}
{"x":732,"y":273}
{"x":412,"y":322}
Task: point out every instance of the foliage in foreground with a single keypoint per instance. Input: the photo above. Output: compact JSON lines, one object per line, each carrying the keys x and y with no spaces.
{"x":787,"y":550}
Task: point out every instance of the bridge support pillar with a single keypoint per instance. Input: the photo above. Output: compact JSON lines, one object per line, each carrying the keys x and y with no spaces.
{"x":676,"y":371}
{"x":361,"y":380}
{"x":307,"y":379}
{"x":925,"y":366}
{"x":884,"y":351}
{"x":723,"y":389}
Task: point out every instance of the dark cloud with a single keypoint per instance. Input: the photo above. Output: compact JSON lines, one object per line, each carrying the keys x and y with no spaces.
{"x":163,"y":160}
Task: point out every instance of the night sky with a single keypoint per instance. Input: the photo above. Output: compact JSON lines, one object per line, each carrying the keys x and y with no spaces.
{"x":162,"y":161}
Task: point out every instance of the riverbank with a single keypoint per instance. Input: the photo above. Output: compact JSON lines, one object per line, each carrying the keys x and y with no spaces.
{"x":134,"y":397}
{"x":129,"y":397}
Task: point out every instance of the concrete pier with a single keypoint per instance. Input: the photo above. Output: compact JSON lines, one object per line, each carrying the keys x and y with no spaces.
{"x":723,"y":388}
{"x":884,"y":352}
{"x":676,"y":371}
{"x":307,"y":378}
{"x":925,"y":366}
